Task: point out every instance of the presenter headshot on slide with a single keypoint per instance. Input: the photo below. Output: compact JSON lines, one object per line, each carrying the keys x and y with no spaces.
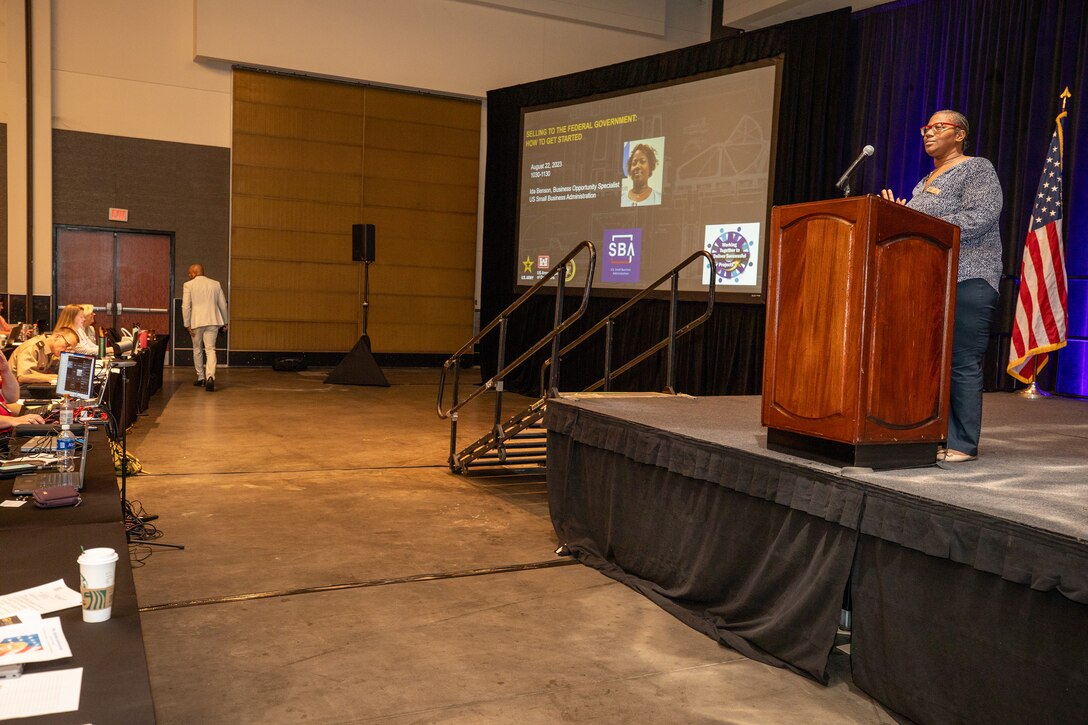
{"x":965,"y":191}
{"x":640,"y":167}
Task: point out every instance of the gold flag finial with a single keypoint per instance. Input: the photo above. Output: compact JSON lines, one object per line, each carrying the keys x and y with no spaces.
{"x":1066,"y":95}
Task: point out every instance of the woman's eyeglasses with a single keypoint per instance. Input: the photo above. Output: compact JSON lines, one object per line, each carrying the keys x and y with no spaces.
{"x":938,"y":127}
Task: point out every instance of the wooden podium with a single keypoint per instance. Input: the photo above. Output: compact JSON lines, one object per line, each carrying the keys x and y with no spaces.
{"x":860,"y":302}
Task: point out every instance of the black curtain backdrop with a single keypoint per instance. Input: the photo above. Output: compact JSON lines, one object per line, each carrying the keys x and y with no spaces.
{"x":847,"y":80}
{"x":726,"y":354}
{"x":1003,"y":63}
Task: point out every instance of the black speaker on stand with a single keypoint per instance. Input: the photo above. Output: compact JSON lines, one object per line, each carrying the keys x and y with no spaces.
{"x":359,"y":366}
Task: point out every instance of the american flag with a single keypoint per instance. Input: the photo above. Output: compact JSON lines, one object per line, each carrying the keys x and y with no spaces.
{"x":1041,"y":309}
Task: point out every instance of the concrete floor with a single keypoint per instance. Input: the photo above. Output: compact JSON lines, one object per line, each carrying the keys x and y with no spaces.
{"x":335,"y":571}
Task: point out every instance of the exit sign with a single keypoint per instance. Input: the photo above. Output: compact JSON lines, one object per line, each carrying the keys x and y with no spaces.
{"x":118,"y":215}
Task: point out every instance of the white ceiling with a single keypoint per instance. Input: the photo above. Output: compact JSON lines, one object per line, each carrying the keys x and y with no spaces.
{"x":754,"y":14}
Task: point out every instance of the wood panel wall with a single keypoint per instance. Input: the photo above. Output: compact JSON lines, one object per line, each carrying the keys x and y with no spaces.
{"x":313,"y":157}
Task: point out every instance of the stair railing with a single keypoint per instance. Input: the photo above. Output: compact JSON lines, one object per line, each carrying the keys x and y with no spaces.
{"x":608,"y":325}
{"x":559,"y":271}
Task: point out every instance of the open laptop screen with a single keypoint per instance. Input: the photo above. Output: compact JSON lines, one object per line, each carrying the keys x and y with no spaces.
{"x":76,"y":375}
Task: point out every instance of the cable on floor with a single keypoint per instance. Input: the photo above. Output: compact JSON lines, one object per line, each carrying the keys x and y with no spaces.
{"x":511,"y":568}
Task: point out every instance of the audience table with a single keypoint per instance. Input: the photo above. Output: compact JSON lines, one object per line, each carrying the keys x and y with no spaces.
{"x":38,"y":546}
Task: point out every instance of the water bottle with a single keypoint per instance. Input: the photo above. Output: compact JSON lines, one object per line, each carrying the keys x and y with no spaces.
{"x":66,"y":411}
{"x":101,"y":345}
{"x":66,"y":448}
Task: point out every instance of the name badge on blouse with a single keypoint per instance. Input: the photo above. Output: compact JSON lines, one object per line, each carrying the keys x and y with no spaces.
{"x":932,"y":190}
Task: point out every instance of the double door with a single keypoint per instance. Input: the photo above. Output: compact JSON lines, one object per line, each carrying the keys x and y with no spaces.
{"x":127,"y":276}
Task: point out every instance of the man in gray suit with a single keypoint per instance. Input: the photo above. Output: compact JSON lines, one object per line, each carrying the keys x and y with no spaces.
{"x":204,"y":310}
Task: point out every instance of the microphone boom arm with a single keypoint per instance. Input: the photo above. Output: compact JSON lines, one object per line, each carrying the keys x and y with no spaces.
{"x":843,"y":183}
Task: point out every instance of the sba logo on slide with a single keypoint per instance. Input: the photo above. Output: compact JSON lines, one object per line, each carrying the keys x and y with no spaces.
{"x":622,"y":252}
{"x":622,"y":248}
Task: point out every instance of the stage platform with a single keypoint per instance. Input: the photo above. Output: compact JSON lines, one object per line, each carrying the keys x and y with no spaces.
{"x":969,"y":582}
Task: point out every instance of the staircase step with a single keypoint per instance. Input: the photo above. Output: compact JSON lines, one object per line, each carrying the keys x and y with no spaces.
{"x":518,"y":453}
{"x":525,"y":444}
{"x":486,"y":462}
{"x":530,"y":434}
{"x":518,"y":443}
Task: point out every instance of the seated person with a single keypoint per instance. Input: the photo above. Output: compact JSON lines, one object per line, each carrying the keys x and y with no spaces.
{"x":5,"y":328}
{"x":9,"y":391}
{"x":37,"y":359}
{"x":74,"y":317}
{"x":91,"y":329}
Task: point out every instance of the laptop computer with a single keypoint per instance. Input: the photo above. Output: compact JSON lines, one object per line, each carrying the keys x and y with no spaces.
{"x":75,"y":375}
{"x":76,"y":378}
{"x":26,"y":483}
{"x":46,"y":407}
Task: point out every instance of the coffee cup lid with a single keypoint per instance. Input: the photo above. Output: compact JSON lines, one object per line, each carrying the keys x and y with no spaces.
{"x":101,"y":555}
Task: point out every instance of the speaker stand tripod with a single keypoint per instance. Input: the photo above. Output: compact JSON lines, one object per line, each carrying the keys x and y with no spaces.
{"x":359,"y":366}
{"x":131,"y":520}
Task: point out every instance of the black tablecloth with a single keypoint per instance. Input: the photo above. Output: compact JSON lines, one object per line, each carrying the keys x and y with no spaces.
{"x":101,"y":500}
{"x":130,"y":389}
{"x":116,"y":687}
{"x":38,"y":546}
{"x":156,"y":360}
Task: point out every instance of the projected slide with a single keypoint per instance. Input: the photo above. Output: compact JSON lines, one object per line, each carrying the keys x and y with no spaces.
{"x":650,"y":177}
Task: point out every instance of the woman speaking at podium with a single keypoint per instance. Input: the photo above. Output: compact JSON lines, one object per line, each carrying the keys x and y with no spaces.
{"x":964,"y":190}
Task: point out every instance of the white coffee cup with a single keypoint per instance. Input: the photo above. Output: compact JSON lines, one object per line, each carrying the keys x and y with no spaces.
{"x":96,"y":574}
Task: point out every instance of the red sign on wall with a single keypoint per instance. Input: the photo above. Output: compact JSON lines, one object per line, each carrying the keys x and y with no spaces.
{"x":118,"y":215}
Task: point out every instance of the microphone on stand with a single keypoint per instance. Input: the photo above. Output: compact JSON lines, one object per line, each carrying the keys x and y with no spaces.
{"x":842,"y":183}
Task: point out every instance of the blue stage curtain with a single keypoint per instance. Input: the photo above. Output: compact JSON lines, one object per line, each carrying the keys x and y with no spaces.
{"x":1003,"y":63}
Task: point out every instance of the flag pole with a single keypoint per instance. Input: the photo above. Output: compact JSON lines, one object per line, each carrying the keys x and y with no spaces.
{"x":1032,"y":391}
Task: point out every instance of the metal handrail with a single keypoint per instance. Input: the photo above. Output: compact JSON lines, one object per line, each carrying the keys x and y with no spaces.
{"x":670,"y":340}
{"x":495,"y":383}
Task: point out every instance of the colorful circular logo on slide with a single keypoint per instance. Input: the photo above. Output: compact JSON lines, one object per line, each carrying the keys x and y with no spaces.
{"x":732,"y":255}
